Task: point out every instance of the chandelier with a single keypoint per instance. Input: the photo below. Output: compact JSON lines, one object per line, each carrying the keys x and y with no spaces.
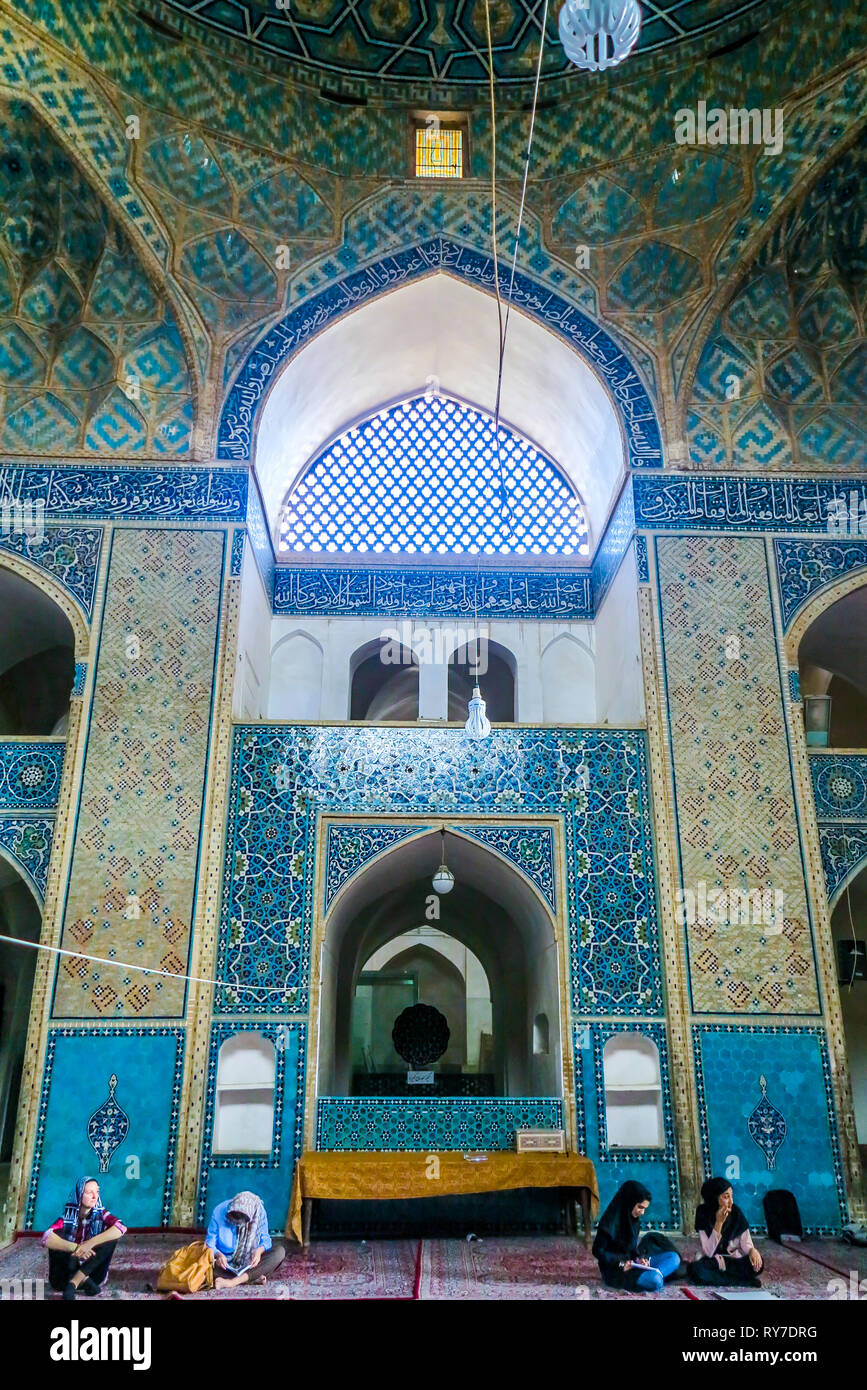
{"x":599,"y":34}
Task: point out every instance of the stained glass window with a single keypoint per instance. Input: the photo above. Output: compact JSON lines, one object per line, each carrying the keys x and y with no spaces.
{"x":423,"y":476}
{"x":439,"y":153}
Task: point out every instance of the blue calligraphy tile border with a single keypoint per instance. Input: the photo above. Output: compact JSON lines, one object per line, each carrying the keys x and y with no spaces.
{"x":396,"y":592}
{"x":93,"y":492}
{"x":702,"y":502}
{"x":805,"y":567}
{"x":103,"y":1032}
{"x":305,"y":321}
{"x":699,"y":1030}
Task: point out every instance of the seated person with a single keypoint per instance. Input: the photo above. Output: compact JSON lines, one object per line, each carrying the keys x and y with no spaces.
{"x":81,"y":1242}
{"x":729,"y":1256}
{"x":238,"y":1236}
{"x":616,"y":1245}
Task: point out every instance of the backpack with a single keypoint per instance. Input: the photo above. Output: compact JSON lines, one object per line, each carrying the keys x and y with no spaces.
{"x":782,"y":1215}
{"x":191,"y":1268}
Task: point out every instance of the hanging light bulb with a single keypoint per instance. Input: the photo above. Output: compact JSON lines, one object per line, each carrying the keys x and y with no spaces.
{"x":478,"y":726}
{"x":443,"y":879}
{"x":599,"y":34}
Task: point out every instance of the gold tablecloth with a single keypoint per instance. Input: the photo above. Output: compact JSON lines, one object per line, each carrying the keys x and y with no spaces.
{"x":388,"y":1176}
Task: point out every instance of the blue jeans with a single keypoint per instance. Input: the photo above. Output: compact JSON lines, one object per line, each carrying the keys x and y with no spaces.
{"x":652,"y":1279}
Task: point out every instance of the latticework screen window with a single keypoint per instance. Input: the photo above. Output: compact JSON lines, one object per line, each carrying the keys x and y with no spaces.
{"x":425,"y":476}
{"x":439,"y":153}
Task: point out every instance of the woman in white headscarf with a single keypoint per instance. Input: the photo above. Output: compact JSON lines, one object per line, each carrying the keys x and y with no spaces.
{"x":243,"y":1250}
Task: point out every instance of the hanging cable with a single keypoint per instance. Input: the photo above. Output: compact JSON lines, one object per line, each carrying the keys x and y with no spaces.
{"x":503,"y":320}
{"x":126,"y":965}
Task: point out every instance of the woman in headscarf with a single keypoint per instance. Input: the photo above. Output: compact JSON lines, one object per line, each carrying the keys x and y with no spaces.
{"x":238,"y":1236}
{"x":81,"y":1242}
{"x":616,"y":1244}
{"x":728,"y":1253}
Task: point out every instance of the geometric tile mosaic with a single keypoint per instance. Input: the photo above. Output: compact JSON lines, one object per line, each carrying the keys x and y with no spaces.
{"x":70,"y":554}
{"x":737,"y":822}
{"x":840,"y":786}
{"x":282,"y":776}
{"x":78,"y":315}
{"x":844,"y":853}
{"x":30,"y":772}
{"x":362,"y":1123}
{"x":27,"y":840}
{"x":789,"y":1068}
{"x":132,"y":882}
{"x":805,"y":567}
{"x":781,"y":380}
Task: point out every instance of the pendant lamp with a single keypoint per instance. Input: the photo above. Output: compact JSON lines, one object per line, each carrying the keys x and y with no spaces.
{"x":478,"y":726}
{"x":443,"y":879}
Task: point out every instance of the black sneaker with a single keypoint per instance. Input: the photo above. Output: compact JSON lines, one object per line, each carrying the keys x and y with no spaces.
{"x":69,"y":1293}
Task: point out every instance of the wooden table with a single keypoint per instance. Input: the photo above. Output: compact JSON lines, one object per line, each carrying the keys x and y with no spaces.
{"x":358,"y":1177}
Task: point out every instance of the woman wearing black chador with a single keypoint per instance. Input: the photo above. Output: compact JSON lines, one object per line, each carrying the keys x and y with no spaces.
{"x":728,"y":1253}
{"x":621,"y":1264}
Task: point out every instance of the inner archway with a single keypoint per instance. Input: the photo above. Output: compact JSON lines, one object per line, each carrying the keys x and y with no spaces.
{"x":849,"y":930}
{"x":37,"y":660}
{"x":832,"y":659}
{"x":493,"y":912}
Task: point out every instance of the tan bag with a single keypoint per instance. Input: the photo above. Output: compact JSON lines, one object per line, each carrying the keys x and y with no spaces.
{"x":189,"y":1269}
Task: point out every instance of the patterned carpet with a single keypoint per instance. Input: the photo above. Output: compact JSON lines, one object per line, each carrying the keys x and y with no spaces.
{"x":499,"y":1269}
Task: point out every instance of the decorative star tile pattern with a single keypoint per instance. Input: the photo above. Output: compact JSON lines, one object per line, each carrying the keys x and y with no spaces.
{"x":407,"y":1125}
{"x":530,"y":848}
{"x":840,"y":786}
{"x":27,"y":840}
{"x":282,"y":776}
{"x":136,"y":846}
{"x":30,"y":772}
{"x":409,"y":41}
{"x":794,"y":1064}
{"x":737,"y":823}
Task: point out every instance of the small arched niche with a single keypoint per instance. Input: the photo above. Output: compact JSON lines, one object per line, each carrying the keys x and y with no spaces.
{"x":493,"y":668}
{"x":383,"y":683}
{"x":633,"y":1092}
{"x":832,"y":661}
{"x":849,"y":930}
{"x":296,"y":678}
{"x":568,"y":673}
{"x":244,"y":1104}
